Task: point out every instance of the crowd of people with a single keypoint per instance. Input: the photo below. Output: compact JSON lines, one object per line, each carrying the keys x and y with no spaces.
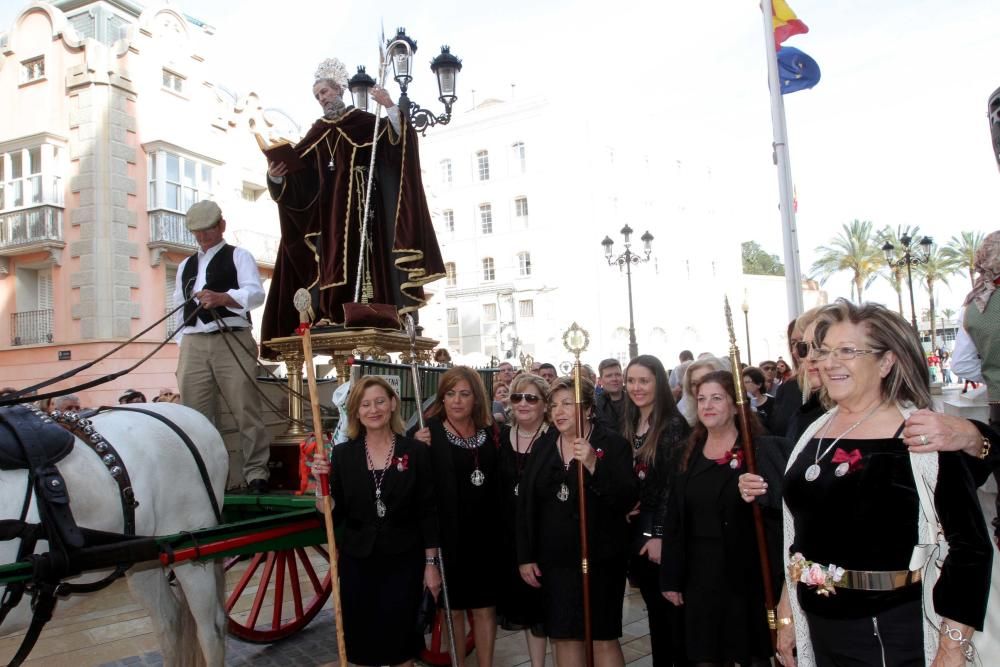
{"x":490,"y":485}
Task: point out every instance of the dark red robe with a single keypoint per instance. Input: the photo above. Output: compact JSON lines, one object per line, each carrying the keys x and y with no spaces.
{"x":321,"y":212}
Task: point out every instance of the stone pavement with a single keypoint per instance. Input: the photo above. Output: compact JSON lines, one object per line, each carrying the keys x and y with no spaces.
{"x":316,"y":645}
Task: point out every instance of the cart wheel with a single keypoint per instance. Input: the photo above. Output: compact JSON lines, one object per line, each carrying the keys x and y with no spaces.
{"x":435,"y":651}
{"x":274,"y":594}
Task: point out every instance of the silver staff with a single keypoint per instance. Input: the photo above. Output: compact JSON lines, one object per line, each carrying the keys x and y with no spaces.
{"x":411,"y":332}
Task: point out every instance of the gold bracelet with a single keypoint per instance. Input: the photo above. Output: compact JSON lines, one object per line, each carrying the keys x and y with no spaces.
{"x":785,"y":620}
{"x":985,"y":451}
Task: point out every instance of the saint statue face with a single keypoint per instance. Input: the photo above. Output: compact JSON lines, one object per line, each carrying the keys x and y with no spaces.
{"x":330,"y":97}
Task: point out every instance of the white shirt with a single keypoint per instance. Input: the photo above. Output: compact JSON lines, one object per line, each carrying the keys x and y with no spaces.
{"x":965,"y":362}
{"x":249,"y":295}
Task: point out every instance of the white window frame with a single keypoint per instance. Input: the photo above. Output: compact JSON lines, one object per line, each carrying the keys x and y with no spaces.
{"x":526,"y":308}
{"x":483,"y":165}
{"x":446,"y":171}
{"x":174,"y":82}
{"x":40,"y":175}
{"x":489,"y":270}
{"x":524,"y":263}
{"x":450,"y":273}
{"x":518,"y":156}
{"x":449,"y":219}
{"x":32,"y":70}
{"x":452,"y":317}
{"x":489,"y":312}
{"x":162,"y":189}
{"x":521,"y":207}
{"x":486,"y":218}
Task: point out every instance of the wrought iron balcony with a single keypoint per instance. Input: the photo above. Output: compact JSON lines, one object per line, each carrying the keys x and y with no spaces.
{"x":31,"y":229}
{"x":31,"y":327}
{"x":167,"y":229}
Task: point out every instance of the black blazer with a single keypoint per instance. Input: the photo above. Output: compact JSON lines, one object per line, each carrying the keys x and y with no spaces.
{"x":548,"y":529}
{"x":742,"y":569}
{"x":411,"y":520}
{"x":445,"y":481}
{"x":654,"y":490}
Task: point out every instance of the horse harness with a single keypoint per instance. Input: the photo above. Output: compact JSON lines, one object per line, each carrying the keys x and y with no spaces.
{"x":35,"y":441}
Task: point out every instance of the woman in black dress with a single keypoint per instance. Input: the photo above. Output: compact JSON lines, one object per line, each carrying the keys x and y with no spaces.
{"x":519,"y":606}
{"x":710,"y":559}
{"x":383,"y":497}
{"x":463,"y":451}
{"x":658,"y":433}
{"x":548,"y":525}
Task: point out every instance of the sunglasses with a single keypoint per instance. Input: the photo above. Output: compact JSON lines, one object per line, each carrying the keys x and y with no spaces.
{"x":801,"y":349}
{"x":530,"y":398}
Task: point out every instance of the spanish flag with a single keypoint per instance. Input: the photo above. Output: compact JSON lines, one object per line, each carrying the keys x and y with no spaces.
{"x":786,"y":23}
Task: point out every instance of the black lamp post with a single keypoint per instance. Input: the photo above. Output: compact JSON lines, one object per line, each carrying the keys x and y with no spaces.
{"x":909,"y":260}
{"x":400,"y":50}
{"x":627,"y":259}
{"x":746,"y":324}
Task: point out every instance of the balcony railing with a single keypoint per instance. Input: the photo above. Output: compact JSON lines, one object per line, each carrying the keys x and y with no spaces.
{"x":31,"y":327}
{"x":39,"y":225}
{"x":167,"y":228}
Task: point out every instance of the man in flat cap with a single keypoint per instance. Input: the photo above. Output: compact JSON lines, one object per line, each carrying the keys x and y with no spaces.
{"x":320,"y":206}
{"x":218,"y":352}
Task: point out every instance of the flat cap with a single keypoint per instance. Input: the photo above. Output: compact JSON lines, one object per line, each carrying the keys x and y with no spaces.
{"x":203,"y":215}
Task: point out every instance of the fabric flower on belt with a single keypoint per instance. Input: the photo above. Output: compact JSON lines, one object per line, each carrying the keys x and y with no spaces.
{"x":813,"y":574}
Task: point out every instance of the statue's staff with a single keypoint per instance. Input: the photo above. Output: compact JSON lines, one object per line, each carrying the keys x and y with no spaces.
{"x":303,"y":304}
{"x":411,"y":332}
{"x":383,"y":69}
{"x":743,"y":410}
{"x":576,"y":340}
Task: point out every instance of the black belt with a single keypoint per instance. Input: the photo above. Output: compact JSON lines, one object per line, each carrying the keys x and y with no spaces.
{"x":219,"y":331}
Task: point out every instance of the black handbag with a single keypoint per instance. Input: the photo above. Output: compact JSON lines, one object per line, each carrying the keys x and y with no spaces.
{"x":426,"y":612}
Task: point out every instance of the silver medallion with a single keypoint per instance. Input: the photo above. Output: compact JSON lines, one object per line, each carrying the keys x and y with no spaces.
{"x":517,"y":489}
{"x":734,"y":463}
{"x":563,"y":494}
{"x":399,"y":467}
{"x":641,"y":475}
{"x":379,"y":508}
{"x":842,"y":469}
{"x":812,"y":472}
{"x":477,"y":477}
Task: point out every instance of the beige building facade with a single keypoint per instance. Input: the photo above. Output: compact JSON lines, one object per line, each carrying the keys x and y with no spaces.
{"x":113,"y":125}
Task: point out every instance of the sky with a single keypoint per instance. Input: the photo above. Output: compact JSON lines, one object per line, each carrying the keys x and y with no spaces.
{"x":895,"y":132}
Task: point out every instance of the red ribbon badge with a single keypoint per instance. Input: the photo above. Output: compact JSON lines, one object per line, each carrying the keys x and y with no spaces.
{"x":851,"y":458}
{"x":734,"y":459}
{"x":402,"y":463}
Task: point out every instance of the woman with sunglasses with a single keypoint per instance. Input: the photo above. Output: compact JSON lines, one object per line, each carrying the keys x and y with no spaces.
{"x":463,"y":451}
{"x":548,"y":525}
{"x":519,"y":605}
{"x":658,"y":433}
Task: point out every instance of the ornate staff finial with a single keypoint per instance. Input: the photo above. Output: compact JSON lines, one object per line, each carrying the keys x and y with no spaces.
{"x":576,"y":339}
{"x":729,"y":325}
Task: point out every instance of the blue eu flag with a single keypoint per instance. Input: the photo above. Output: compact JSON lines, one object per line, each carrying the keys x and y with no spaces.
{"x":796,"y":70}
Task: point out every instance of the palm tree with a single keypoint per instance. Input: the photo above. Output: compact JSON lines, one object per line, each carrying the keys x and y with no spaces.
{"x":936,"y":269}
{"x":854,"y":249}
{"x":895,"y":272}
{"x":962,"y":250}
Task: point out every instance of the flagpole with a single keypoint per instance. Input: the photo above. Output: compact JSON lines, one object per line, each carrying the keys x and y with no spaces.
{"x":789,"y":233}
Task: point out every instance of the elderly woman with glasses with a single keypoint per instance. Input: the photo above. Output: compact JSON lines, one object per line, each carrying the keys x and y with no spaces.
{"x":870,"y":580}
{"x":548,"y":525}
{"x":383,"y":496}
{"x":519,"y":605}
{"x":463,"y":444}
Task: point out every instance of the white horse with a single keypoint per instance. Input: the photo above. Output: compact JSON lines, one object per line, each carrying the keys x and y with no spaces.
{"x":188,"y":619}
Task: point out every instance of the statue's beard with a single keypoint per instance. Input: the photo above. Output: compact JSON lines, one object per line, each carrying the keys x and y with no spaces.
{"x":334,"y":108}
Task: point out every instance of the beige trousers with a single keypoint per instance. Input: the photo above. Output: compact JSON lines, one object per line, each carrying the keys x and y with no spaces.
{"x":207,"y":369}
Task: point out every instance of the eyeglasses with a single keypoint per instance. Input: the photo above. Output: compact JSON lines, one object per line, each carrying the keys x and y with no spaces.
{"x":801,"y":349}
{"x":530,"y":398}
{"x":839,"y":353}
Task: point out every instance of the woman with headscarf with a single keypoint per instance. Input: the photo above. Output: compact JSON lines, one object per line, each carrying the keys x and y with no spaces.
{"x":658,"y":434}
{"x":548,"y":542}
{"x":383,"y":496}
{"x":862,"y":590}
{"x":463,"y":451}
{"x":519,"y":605}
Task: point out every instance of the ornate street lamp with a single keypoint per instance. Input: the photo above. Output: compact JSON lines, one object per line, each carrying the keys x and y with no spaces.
{"x":400,"y":50}
{"x":627,"y":259}
{"x":909,"y":260}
